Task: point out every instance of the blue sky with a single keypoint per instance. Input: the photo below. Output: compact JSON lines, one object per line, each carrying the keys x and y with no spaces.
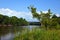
{"x":20,"y":7}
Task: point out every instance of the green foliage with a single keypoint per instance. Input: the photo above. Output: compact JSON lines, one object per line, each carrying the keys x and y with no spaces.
{"x":34,"y":13}
{"x":47,"y":20}
{"x":54,"y":22}
{"x":5,"y":20}
{"x":39,"y":34}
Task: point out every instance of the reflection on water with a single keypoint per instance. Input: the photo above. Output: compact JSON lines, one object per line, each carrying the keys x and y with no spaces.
{"x":31,"y":26}
{"x":8,"y":33}
{"x":11,"y":35}
{"x":12,"y":29}
{"x":8,"y":36}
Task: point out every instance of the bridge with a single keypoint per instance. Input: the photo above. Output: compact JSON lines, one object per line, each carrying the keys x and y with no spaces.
{"x":34,"y":23}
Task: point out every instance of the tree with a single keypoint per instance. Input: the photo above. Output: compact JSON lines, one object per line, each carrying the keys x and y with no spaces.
{"x":54,"y":22}
{"x":1,"y":18}
{"x":44,"y":18}
{"x":54,"y":16}
{"x":5,"y":19}
{"x":58,"y":19}
{"x":34,"y":13}
{"x":14,"y":20}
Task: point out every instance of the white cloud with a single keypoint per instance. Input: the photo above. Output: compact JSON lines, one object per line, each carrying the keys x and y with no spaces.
{"x":9,"y":12}
{"x":57,"y":15}
{"x":52,"y":14}
{"x":44,"y":11}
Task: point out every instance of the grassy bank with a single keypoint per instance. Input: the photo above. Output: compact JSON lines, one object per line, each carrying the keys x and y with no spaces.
{"x":38,"y":34}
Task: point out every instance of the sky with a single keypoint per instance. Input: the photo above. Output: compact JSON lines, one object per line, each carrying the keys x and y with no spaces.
{"x":19,"y":8}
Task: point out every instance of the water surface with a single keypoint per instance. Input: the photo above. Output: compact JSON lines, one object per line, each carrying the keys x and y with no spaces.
{"x":10,"y":35}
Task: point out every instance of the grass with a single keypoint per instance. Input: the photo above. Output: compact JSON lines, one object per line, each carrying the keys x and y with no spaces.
{"x":39,"y":34}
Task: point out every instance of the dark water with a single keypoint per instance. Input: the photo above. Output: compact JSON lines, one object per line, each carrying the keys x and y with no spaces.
{"x":10,"y":35}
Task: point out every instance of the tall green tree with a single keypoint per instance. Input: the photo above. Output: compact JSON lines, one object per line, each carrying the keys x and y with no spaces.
{"x":44,"y":18}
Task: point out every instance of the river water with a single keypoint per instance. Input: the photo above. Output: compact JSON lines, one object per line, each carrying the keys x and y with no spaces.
{"x":10,"y":35}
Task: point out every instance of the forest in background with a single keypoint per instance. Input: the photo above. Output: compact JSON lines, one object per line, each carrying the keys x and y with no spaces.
{"x":13,"y":21}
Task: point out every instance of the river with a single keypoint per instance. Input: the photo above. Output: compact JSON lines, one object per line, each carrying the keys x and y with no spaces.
{"x":11,"y":35}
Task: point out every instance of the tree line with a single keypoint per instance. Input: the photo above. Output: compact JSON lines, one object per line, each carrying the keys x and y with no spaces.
{"x":6,"y":20}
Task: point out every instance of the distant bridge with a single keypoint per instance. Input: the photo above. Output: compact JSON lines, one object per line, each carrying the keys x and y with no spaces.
{"x":34,"y":23}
